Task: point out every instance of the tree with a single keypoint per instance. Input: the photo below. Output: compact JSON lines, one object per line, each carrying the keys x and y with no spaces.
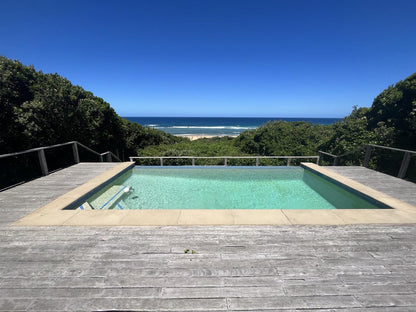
{"x":40,"y":109}
{"x":353,"y":132}
{"x":395,"y":108}
{"x":16,"y":82}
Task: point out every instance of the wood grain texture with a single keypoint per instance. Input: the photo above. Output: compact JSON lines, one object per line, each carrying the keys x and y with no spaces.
{"x":361,"y":268}
{"x":392,"y":186}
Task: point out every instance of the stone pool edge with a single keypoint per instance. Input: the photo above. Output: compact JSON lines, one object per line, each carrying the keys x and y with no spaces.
{"x":54,"y":214}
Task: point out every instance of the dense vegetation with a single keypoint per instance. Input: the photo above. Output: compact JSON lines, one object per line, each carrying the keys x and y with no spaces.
{"x":273,"y":138}
{"x":40,"y":109}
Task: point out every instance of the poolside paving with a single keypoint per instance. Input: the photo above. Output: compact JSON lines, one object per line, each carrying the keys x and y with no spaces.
{"x":356,"y":268}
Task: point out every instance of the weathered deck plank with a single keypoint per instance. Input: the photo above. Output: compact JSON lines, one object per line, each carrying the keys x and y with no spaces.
{"x":25,"y":198}
{"x":395,"y":187}
{"x":362,"y":268}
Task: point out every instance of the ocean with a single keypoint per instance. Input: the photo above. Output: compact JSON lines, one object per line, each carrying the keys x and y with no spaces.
{"x":214,"y":126}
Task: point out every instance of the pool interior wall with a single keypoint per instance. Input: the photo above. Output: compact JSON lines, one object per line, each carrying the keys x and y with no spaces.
{"x":56,"y":212}
{"x":324,"y":192}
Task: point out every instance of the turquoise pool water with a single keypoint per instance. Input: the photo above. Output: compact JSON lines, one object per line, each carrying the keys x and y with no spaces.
{"x":224,"y":188}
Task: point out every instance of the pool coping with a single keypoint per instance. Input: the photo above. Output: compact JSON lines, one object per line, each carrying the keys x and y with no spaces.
{"x":55,"y":214}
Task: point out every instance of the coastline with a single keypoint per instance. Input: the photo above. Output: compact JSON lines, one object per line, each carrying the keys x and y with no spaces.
{"x":194,"y":137}
{"x":208,"y":127}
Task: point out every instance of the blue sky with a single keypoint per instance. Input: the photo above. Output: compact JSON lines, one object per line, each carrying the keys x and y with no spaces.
{"x":218,"y":58}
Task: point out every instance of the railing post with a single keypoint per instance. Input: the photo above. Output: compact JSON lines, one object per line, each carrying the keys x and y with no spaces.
{"x":101,"y":158}
{"x":225,"y":161}
{"x":161,"y":161}
{"x":367,"y":155}
{"x":193,"y":161}
{"x":335,"y":161}
{"x":404,"y":166}
{"x":288,"y":162}
{"x":109,"y":157}
{"x":257,"y":161}
{"x":42,"y":162}
{"x":75,"y":152}
{"x":319,"y":161}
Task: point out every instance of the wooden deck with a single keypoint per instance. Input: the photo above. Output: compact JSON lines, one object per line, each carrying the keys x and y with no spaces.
{"x":398,"y":188}
{"x":234,"y":268}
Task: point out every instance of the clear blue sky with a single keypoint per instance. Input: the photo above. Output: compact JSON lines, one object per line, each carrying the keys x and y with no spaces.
{"x":276,"y":58}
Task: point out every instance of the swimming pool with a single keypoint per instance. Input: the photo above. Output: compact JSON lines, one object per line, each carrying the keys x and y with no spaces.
{"x":144,"y":188}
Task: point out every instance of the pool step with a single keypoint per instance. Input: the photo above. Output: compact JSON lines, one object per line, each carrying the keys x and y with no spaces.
{"x":85,"y":206}
{"x":110,"y":199}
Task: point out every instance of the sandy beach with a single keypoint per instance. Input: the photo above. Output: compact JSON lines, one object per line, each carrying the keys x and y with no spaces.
{"x":193,"y":137}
